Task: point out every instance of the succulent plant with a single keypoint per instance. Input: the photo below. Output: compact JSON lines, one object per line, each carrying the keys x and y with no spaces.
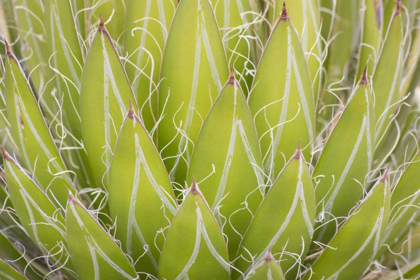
{"x":210,"y":139}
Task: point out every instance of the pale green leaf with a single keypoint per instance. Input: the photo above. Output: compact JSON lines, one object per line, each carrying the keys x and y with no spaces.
{"x":203,"y":251}
{"x":281,"y":101}
{"x":354,"y":246}
{"x":141,"y":199}
{"x":243,"y":32}
{"x":36,"y":149}
{"x":94,"y":253}
{"x":227,"y":162}
{"x":284,"y":226}
{"x":405,"y":201}
{"x":9,"y":273}
{"x":386,"y":84}
{"x":267,"y":268}
{"x":194,"y":69}
{"x":42,"y":221}
{"x":370,"y":35}
{"x":105,"y":98}
{"x":147,"y":25}
{"x":345,"y":161}
{"x":305,"y":17}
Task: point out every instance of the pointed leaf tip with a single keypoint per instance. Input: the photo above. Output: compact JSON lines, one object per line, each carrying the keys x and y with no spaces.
{"x":268,"y":256}
{"x":298,"y":153}
{"x":71,"y":197}
{"x":5,"y":154}
{"x":131,"y":113}
{"x":284,"y":15}
{"x":397,"y":9}
{"x":385,"y":177}
{"x":8,"y":49}
{"x":194,"y":187}
{"x":101,"y":24}
{"x":364,"y":79}
{"x":232,"y":79}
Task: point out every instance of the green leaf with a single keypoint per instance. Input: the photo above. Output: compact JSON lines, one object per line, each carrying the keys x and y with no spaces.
{"x":94,"y":253}
{"x":30,"y":27}
{"x":267,"y":268}
{"x":203,"y":250}
{"x":141,"y":199}
{"x":67,"y":61}
{"x":281,"y":101}
{"x":370,"y":35}
{"x":353,"y":248}
{"x":412,"y":64}
{"x":386,"y":85}
{"x":344,"y":20}
{"x":147,"y":24}
{"x":8,"y":222}
{"x":42,"y":221}
{"x":36,"y":148}
{"x":410,"y":271}
{"x":345,"y":161}
{"x":105,"y":98}
{"x":9,"y":253}
{"x":404,"y":202}
{"x":305,"y":17}
{"x":5,"y":137}
{"x":193,"y":71}
{"x":242,"y":32}
{"x":227,"y":163}
{"x":8,"y":272}
{"x":284,"y":228}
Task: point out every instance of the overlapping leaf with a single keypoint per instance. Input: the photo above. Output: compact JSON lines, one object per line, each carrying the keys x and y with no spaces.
{"x":352,"y":249}
{"x":10,"y":254}
{"x":141,"y":199}
{"x":284,"y":228}
{"x":227,"y":163}
{"x":305,"y":17}
{"x":370,"y":35}
{"x":345,"y":161}
{"x":9,"y":273}
{"x":282,"y":101}
{"x":404,"y":202}
{"x":36,"y":149}
{"x":94,"y":253}
{"x":195,"y":50}
{"x":203,"y":248}
{"x":267,"y":268}
{"x":42,"y":221}
{"x":386,"y":83}
{"x":105,"y":97}
{"x":147,"y":23}
{"x":241,"y":28}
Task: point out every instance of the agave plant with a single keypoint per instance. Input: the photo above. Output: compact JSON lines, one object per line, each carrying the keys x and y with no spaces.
{"x":210,"y":139}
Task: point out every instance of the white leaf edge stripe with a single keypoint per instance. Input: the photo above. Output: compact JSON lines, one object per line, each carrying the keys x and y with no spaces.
{"x":365,"y":127}
{"x":236,"y":125}
{"x":376,"y":230}
{"x":95,"y":248}
{"x":201,"y":231}
{"x":132,"y":221}
{"x":109,"y":77}
{"x":259,"y":265}
{"x":291,"y":64}
{"x":28,"y":202}
{"x":19,"y":103}
{"x":201,"y":37}
{"x":299,"y":195}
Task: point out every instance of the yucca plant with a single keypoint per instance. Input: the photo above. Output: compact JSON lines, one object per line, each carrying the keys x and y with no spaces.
{"x":210,"y":139}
